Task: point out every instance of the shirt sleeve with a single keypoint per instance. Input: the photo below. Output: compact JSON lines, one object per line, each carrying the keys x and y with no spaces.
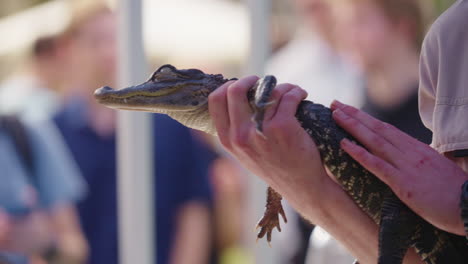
{"x":56,"y":175}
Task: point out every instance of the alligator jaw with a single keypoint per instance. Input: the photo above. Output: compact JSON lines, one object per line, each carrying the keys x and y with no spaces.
{"x":170,"y":101}
{"x":148,"y":97}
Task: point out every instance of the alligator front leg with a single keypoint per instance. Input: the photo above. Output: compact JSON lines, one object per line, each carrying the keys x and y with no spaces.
{"x":261,"y":93}
{"x":270,"y":218}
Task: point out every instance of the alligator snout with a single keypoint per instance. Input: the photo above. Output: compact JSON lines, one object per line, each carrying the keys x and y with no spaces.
{"x":102,"y":92}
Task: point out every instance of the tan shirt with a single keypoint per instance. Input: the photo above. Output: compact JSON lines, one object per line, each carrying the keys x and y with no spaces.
{"x":443,"y":93}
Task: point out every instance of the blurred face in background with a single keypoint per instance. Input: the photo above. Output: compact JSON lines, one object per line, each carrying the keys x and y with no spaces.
{"x":94,"y":51}
{"x":316,"y":14}
{"x":366,"y":34}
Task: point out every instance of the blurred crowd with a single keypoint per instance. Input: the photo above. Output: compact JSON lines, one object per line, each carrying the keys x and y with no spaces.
{"x":58,"y":199}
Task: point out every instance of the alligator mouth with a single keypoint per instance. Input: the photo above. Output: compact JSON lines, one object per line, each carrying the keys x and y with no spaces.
{"x":147,"y":89}
{"x":144,"y":97}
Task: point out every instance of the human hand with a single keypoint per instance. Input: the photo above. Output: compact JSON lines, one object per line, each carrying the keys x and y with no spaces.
{"x":425,"y":180}
{"x":286,"y":158}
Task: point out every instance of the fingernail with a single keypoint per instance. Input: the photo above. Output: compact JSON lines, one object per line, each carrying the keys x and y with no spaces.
{"x":336,"y":104}
{"x":338,"y":113}
{"x":345,"y":142}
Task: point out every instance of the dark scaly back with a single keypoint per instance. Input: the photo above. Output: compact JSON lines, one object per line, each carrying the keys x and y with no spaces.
{"x":365,"y":189}
{"x":433,"y":244}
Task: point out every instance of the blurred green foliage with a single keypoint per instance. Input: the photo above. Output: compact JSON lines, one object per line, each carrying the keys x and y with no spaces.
{"x":8,"y":7}
{"x":441,"y":5}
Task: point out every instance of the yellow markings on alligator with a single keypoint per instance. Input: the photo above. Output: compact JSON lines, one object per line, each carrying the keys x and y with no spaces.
{"x":157,"y":93}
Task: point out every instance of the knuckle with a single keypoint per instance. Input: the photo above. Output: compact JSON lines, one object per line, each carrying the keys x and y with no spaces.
{"x":240,"y":140}
{"x":285,"y":86}
{"x":281,"y":89}
{"x":225,"y":142}
{"x":293,"y":95}
{"x":362,"y":154}
{"x":234,"y":88}
{"x":350,"y":122}
{"x":349,"y":110}
{"x":381,"y":167}
{"x":277,"y":126}
{"x":380,"y":126}
{"x":217,"y":96}
{"x":377,"y":140}
{"x":213,"y":99}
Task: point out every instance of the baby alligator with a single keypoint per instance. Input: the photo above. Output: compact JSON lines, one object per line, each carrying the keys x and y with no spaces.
{"x":183,"y":95}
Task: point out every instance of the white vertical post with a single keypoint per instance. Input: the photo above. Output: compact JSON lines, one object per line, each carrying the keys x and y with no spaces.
{"x":260,"y":48}
{"x":260,"y":39}
{"x":135,"y":172}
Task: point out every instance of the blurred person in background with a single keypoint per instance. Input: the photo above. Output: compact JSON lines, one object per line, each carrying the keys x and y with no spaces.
{"x":384,"y":37}
{"x":40,"y":185}
{"x":312,"y":61}
{"x":182,"y":191}
{"x":34,"y":92}
{"x":39,"y":191}
{"x":230,"y":207}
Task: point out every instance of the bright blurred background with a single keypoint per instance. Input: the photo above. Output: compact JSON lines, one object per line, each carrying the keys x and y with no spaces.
{"x":191,"y":21}
{"x":54,"y":53}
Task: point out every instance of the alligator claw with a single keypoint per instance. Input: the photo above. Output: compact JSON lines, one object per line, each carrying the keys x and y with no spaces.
{"x":270,"y":218}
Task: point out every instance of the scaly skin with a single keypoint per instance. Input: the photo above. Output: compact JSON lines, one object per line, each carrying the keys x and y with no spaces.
{"x":183,"y":94}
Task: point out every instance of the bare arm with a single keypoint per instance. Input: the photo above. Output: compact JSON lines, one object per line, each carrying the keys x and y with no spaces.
{"x":72,"y":244}
{"x":288,"y":160}
{"x":192,"y":240}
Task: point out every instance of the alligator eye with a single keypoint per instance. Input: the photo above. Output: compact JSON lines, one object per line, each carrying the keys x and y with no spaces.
{"x":194,"y":103}
{"x":164,"y":73}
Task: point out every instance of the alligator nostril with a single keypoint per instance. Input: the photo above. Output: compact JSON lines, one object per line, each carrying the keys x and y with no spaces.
{"x":102,"y":91}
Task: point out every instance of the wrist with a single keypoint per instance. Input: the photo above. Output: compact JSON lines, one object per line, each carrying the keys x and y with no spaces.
{"x":321,"y":205}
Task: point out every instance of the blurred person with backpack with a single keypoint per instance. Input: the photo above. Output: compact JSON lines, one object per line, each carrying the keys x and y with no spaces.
{"x":183,"y":199}
{"x":40,"y":180}
{"x":40,"y":184}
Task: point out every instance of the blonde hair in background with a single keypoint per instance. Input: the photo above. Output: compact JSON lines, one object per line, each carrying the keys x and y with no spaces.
{"x":82,"y":11}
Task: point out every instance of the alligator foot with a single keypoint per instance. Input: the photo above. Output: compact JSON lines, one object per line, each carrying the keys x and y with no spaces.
{"x":270,"y":218}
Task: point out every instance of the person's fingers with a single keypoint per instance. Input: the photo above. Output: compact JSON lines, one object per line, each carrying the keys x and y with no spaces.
{"x":277,"y":94}
{"x":218,"y":108}
{"x":238,"y":105}
{"x":374,"y":141}
{"x":240,"y":116}
{"x":288,"y":104}
{"x":379,"y":167}
{"x":396,"y":137}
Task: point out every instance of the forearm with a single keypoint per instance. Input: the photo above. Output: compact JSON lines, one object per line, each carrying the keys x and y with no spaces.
{"x":71,"y":241}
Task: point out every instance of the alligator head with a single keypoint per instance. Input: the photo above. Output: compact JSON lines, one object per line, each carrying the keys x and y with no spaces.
{"x":181,"y":94}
